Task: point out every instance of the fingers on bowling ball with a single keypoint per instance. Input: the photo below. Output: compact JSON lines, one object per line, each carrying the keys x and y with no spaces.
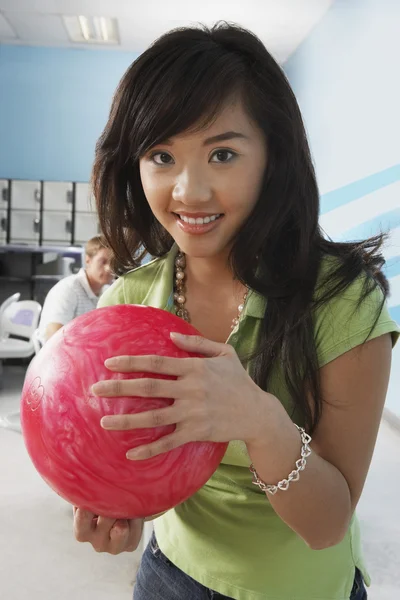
{"x":84,"y":463}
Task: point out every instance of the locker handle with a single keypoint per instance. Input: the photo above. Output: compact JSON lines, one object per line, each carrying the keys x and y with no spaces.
{"x":3,"y":224}
{"x":70,"y":197}
{"x":4,"y":194}
{"x":68,"y":226}
{"x":37,"y":195}
{"x":36,"y":225}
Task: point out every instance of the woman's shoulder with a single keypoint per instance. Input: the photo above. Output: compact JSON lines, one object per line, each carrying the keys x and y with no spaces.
{"x":350,"y":314}
{"x":132,"y":287}
{"x":358,"y":289}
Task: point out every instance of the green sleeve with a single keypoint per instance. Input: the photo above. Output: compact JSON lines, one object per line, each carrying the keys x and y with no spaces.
{"x":341,"y":325}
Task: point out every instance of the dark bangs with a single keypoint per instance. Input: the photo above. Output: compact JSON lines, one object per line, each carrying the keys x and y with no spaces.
{"x":179,"y":84}
{"x":181,"y":90}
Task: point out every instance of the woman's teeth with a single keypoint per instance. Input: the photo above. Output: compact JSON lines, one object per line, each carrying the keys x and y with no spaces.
{"x":198,"y":220}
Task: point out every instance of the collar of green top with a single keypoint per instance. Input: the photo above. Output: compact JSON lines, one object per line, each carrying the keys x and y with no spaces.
{"x":160,"y":292}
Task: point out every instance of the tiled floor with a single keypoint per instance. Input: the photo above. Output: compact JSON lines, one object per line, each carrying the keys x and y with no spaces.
{"x":41,"y":560}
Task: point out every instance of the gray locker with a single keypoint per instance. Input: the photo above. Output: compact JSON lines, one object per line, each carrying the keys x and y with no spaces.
{"x":86,"y":227}
{"x":57,"y":195}
{"x":25,"y":226}
{"x":3,"y":226}
{"x":84,"y":199}
{"x":57,"y":227}
{"x":25,"y":195}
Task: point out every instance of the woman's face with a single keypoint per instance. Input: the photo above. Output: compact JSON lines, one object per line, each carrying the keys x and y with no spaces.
{"x":202,"y":186}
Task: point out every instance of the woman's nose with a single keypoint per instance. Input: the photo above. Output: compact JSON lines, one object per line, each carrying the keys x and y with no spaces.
{"x":192,"y":188}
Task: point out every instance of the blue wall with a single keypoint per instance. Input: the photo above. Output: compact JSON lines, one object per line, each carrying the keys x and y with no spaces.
{"x":345,"y":76}
{"x":53,"y":105}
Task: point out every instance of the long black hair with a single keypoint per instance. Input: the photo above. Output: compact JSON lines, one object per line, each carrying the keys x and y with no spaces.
{"x":181,"y":82}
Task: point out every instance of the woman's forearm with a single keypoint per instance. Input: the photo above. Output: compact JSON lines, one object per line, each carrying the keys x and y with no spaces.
{"x":318,"y":506}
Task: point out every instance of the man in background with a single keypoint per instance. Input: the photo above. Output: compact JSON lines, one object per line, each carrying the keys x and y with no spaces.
{"x":77,"y":294}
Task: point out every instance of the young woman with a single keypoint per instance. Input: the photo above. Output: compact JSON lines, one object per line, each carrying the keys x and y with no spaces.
{"x":205,"y":164}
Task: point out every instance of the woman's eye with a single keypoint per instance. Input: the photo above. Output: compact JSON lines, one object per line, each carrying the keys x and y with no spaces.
{"x":222,"y":156}
{"x":162,"y":158}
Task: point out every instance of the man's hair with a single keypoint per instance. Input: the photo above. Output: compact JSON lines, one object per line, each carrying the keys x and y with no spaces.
{"x":96,"y":243}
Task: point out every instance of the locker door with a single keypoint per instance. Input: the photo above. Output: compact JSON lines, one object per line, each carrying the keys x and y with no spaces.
{"x":84,"y":200}
{"x":25,"y":226}
{"x":57,"y":195}
{"x":86,"y":227}
{"x":25,"y":195}
{"x":3,"y":226}
{"x":57,"y":227}
{"x":4,"y":194}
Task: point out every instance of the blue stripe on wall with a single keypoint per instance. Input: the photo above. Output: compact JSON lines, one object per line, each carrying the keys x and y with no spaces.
{"x":395,"y":313}
{"x":358,"y":189}
{"x":383,"y":222}
{"x":392,"y":267}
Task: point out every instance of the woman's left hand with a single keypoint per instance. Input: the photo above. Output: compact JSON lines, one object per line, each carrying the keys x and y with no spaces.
{"x":214,"y":397}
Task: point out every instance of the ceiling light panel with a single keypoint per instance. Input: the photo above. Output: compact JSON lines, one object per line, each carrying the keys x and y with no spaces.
{"x":92,"y":30}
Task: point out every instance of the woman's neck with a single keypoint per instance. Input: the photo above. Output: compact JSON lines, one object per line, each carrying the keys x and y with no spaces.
{"x":212,"y":278}
{"x":209,"y":272}
{"x":212,"y":296}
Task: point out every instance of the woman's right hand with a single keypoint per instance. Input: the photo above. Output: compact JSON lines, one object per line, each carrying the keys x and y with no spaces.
{"x":107,"y":535}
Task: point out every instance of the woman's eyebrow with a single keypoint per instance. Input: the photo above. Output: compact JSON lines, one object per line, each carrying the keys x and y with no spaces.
{"x":221,"y":137}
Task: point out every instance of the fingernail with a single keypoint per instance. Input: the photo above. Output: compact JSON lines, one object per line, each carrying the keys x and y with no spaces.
{"x":97,"y":388}
{"x":177,"y":336}
{"x":108,"y":422}
{"x":132,"y":454}
{"x":111,"y":362}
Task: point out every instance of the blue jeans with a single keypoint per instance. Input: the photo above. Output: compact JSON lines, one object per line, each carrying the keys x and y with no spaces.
{"x":159,"y":579}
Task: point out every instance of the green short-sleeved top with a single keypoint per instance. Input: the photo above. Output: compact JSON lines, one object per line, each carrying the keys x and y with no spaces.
{"x":227,"y":536}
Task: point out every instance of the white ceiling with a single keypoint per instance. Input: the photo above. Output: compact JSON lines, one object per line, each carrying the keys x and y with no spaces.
{"x":281,"y":24}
